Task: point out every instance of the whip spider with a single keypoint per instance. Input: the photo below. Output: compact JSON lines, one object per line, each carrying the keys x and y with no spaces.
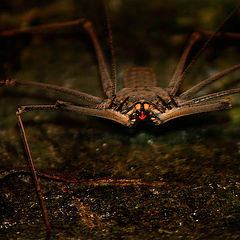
{"x":140,"y":99}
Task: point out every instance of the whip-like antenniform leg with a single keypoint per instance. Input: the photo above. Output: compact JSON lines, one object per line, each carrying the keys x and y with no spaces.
{"x":71,"y":92}
{"x":107,"y":83}
{"x":181,"y":69}
{"x":174,"y":83}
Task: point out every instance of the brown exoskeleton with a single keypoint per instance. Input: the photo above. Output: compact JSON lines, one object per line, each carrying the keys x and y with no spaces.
{"x":140,"y":99}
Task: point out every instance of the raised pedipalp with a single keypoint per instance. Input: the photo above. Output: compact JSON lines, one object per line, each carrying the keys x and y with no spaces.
{"x":139,"y":77}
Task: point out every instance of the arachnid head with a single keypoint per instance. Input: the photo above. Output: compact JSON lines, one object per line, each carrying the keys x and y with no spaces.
{"x":143,"y":111}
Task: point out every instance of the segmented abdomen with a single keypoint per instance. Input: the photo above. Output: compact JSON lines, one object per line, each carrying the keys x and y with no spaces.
{"x":139,"y":77}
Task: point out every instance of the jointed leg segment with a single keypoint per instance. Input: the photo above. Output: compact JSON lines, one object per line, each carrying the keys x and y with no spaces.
{"x":60,"y":105}
{"x":178,"y":76}
{"x":175,"y":82}
{"x":108,"y":84}
{"x":209,"y":97}
{"x":33,"y":171}
{"x":81,"y":95}
{"x":195,"y":89}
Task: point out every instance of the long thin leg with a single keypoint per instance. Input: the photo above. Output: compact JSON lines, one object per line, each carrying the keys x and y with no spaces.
{"x":60,"y":105}
{"x":29,"y":159}
{"x":177,"y":80}
{"x":182,"y":62}
{"x":108,"y":84}
{"x":111,"y":46}
{"x":33,"y":170}
{"x":196,"y":36}
{"x":67,"y":106}
{"x":76,"y":93}
{"x":42,"y":28}
{"x":195,"y":89}
{"x":209,"y":97}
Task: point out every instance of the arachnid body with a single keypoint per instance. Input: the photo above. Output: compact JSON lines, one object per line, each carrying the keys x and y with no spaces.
{"x":140,"y":99}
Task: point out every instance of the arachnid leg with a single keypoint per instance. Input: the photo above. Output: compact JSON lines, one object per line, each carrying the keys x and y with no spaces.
{"x":60,"y":105}
{"x":181,"y":70}
{"x":190,"y":93}
{"x":42,"y":28}
{"x":174,"y":82}
{"x":178,"y":76}
{"x":107,"y":113}
{"x":80,"y":95}
{"x":30,"y":161}
{"x":107,"y":83}
{"x":209,"y":97}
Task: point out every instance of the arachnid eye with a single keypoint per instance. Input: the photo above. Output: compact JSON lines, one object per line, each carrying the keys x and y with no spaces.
{"x":146,"y":106}
{"x":138,"y":106}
